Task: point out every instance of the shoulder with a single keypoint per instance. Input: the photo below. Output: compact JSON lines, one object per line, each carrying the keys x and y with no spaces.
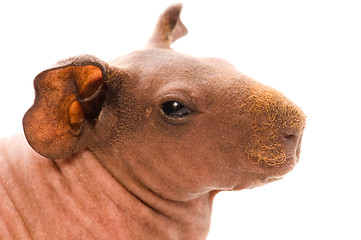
{"x":16,"y":155}
{"x":16,"y":147}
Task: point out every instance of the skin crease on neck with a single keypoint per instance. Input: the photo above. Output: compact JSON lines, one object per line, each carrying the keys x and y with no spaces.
{"x":126,"y":170}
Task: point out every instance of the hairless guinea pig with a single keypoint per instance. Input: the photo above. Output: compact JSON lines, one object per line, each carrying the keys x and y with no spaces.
{"x":139,"y":147}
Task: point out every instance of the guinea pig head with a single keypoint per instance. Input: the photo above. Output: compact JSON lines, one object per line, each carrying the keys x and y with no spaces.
{"x":180,"y":125}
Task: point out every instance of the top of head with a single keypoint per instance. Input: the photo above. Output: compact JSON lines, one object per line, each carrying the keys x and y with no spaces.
{"x":157,"y":106}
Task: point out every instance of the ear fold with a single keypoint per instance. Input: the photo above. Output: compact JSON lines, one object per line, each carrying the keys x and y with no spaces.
{"x":68,"y":99}
{"x":169,"y":28}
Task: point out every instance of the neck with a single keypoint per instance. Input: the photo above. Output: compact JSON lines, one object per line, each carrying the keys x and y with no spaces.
{"x":142,"y":212}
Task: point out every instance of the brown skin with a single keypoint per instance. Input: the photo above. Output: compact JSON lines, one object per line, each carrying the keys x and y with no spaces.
{"x":118,"y":163}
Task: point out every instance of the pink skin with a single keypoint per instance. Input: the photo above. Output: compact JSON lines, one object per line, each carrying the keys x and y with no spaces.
{"x":103,"y":159}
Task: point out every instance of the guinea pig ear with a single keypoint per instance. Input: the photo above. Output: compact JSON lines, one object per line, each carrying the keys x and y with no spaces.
{"x":69,"y":98}
{"x":169,"y":28}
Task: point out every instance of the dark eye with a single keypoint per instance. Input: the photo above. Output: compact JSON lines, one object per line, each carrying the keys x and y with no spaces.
{"x":175,"y":109}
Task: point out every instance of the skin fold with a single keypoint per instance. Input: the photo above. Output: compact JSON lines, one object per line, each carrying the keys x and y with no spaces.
{"x":138,"y":148}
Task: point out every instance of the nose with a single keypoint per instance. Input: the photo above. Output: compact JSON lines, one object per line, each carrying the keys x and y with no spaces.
{"x":291,"y":139}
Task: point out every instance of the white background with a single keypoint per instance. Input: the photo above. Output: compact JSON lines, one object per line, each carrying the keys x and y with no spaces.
{"x":310,"y":50}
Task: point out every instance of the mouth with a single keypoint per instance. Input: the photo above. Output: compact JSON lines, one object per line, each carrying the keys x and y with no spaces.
{"x":257,"y":181}
{"x":272,"y":179}
{"x":261,"y":173}
{"x":267,"y":181}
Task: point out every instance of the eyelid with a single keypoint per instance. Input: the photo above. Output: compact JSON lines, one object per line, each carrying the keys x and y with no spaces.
{"x":181,"y":97}
{"x":184,"y":96}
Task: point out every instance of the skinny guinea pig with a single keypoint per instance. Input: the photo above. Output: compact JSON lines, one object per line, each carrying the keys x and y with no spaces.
{"x":138,"y":148}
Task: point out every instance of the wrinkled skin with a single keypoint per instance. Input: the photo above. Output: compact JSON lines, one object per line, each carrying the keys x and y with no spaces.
{"x":108,"y":160}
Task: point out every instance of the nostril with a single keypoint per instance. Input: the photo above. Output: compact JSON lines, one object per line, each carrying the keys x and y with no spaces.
{"x":288,"y":136}
{"x":290,"y":133}
{"x":290,"y":139}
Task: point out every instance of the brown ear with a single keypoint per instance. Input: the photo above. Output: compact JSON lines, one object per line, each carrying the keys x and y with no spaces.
{"x":169,"y":28}
{"x":69,"y":97}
